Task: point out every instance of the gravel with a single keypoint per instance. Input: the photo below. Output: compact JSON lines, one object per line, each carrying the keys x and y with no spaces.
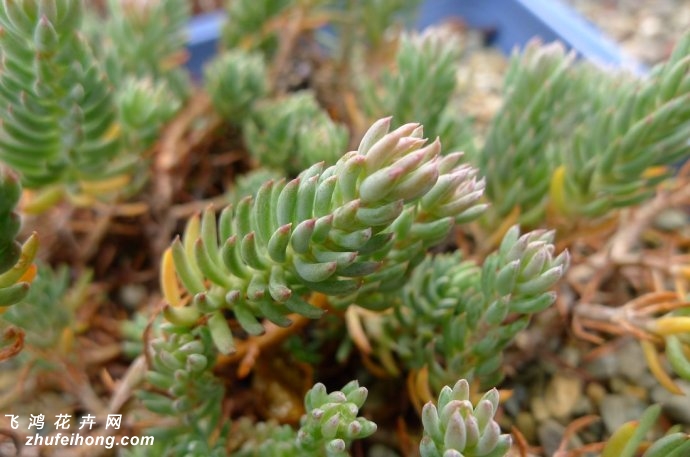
{"x":645,"y":30}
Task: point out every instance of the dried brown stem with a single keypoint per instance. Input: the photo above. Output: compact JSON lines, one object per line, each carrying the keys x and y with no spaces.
{"x":570,"y":431}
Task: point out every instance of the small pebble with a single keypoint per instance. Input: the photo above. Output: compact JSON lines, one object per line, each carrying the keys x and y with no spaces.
{"x":539,"y":409}
{"x":550,"y":435}
{"x":646,"y":31}
{"x":618,"y":409}
{"x":562,"y":394}
{"x":526,"y":424}
{"x":671,"y":220}
{"x":677,"y":407}
{"x":595,"y":392}
{"x":133,"y":295}
{"x":630,"y":363}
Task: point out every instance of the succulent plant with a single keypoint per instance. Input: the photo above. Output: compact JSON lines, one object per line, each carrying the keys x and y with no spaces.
{"x":422,"y":84}
{"x":292,"y":133}
{"x":456,"y":318}
{"x":368,"y":236}
{"x":187,"y":390}
{"x":16,"y":260}
{"x":454,"y":427}
{"x":573,"y":140}
{"x":65,"y":128}
{"x":331,"y":419}
{"x":534,"y":86}
{"x":251,"y":24}
{"x":337,"y":230}
{"x":47,"y":311}
{"x":146,"y":41}
{"x":59,"y":121}
{"x":327,"y":429}
{"x":235,"y":80}
{"x":144,"y":106}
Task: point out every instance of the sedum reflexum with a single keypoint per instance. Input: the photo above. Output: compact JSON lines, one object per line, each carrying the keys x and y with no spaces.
{"x":235,"y":80}
{"x":146,"y":40}
{"x":515,"y":148}
{"x":252,"y":24}
{"x":142,"y":46}
{"x":454,"y":427}
{"x":293,"y":132}
{"x":573,"y":140}
{"x":327,"y":428}
{"x":58,"y":117}
{"x":338,"y":230}
{"x":422,"y":85}
{"x":186,"y":390}
{"x":16,"y":267}
{"x":456,"y":318}
{"x":47,"y":314}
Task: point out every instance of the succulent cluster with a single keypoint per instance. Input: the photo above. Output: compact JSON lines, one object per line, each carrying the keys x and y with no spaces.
{"x":64,"y":125}
{"x":293,"y":132}
{"x":454,"y":427}
{"x":47,"y":311}
{"x":375,"y":18}
{"x":422,"y":84}
{"x":16,"y":267}
{"x":144,"y":106}
{"x":331,"y":419}
{"x":142,"y":49}
{"x":367,"y":236}
{"x":235,"y":81}
{"x":253,"y":24}
{"x":58,"y":116}
{"x":578,"y":141}
{"x":146,"y":40}
{"x":456,"y":318}
{"x":187,"y":390}
{"x":327,"y":428}
{"x":289,"y":132}
{"x":351,"y":227}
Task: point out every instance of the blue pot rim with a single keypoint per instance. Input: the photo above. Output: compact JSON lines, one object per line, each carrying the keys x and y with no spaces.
{"x":514,"y":22}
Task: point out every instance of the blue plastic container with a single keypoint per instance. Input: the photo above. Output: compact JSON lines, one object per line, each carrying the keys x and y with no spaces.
{"x":514,"y":22}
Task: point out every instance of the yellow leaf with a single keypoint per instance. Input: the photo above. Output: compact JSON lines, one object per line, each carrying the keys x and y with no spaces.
{"x":619,"y":439}
{"x":191,"y":234}
{"x":29,"y":274}
{"x":105,"y":186}
{"x":168,"y":280}
{"x":37,"y":202}
{"x":670,"y":325}
{"x":113,"y":132}
{"x":25,"y":262}
{"x":558,"y":199}
{"x":652,"y":357}
{"x":653,"y":172}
